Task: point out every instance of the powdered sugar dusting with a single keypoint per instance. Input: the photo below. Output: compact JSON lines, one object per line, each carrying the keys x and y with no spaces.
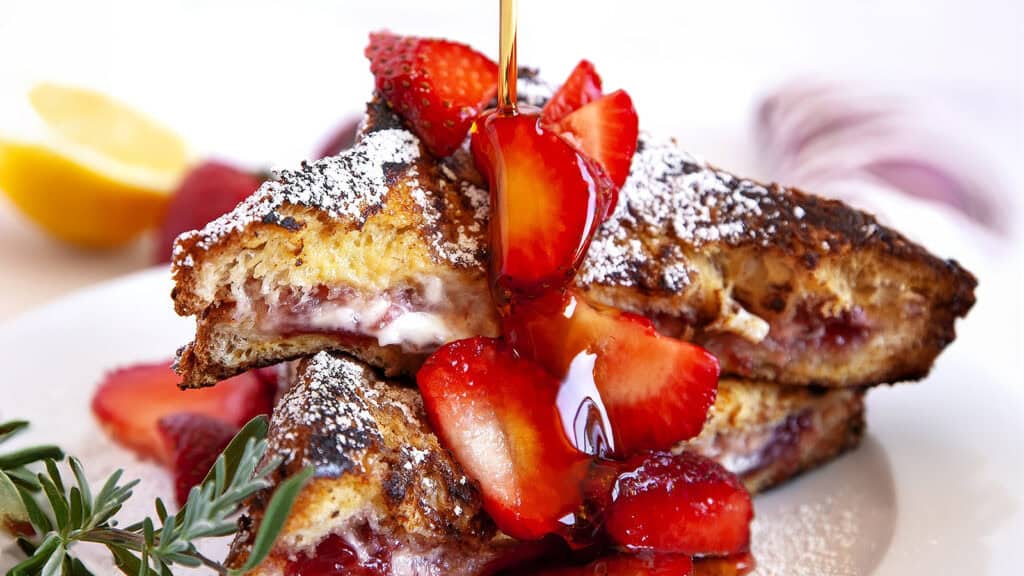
{"x":327,"y":414}
{"x":462,"y":244}
{"x":532,"y":90}
{"x":342,"y":186}
{"x":671,"y":194}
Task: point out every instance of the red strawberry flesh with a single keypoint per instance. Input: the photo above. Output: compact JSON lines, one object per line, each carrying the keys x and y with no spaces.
{"x":194,"y":441}
{"x":606,"y":130}
{"x":130,"y":401}
{"x":545,"y":198}
{"x":582,"y":87}
{"x":683,"y":504}
{"x":437,"y":86}
{"x":497,"y":414}
{"x":655,"y":390}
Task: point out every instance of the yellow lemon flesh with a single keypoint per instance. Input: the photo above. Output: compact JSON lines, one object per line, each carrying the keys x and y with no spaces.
{"x":101,"y":174}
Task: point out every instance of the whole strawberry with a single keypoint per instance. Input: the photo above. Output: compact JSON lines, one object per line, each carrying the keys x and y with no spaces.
{"x":437,"y":86}
{"x":208,"y":191}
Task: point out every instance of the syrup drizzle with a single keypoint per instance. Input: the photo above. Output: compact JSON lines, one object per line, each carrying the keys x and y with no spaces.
{"x":583,"y":414}
{"x":507,"y":68}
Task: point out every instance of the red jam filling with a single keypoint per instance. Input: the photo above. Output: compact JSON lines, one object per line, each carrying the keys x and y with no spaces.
{"x":334,"y":556}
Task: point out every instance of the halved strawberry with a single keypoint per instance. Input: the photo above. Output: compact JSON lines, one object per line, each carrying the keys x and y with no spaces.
{"x":606,"y":130}
{"x":437,"y":86}
{"x":682,"y":504}
{"x":656,"y":390}
{"x":193,"y":442}
{"x":130,"y":401}
{"x":545,"y":200}
{"x":582,"y":87}
{"x":497,"y":414}
{"x":629,"y":565}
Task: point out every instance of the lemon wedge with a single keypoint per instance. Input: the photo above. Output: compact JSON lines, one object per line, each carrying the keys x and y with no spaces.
{"x":88,"y":169}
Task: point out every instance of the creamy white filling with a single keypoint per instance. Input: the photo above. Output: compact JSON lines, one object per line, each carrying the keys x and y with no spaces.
{"x":411,"y":330}
{"x":736,"y":319}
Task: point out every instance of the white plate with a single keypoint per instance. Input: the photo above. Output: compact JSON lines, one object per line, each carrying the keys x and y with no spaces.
{"x":934,"y":489}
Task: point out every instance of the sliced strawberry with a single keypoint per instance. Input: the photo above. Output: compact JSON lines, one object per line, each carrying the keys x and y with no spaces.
{"x":606,"y":130}
{"x":629,"y":565}
{"x":582,"y":87}
{"x":682,"y":504}
{"x":437,"y":86}
{"x":208,"y":191}
{"x":497,"y":414}
{"x":656,"y":390}
{"x":130,"y":401}
{"x":545,"y":200}
{"x":193,"y":442}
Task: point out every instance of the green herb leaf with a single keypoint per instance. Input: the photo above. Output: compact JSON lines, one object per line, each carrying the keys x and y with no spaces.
{"x":55,"y":564}
{"x":33,"y":564}
{"x":58,"y":505}
{"x":26,"y":456}
{"x":255,"y":430}
{"x":274,"y":518}
{"x":125,"y":561}
{"x":73,"y":512}
{"x":39,"y":519}
{"x":10,"y":428}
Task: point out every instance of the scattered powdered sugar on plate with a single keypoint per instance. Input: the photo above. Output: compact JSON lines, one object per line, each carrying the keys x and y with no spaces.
{"x":812,"y":539}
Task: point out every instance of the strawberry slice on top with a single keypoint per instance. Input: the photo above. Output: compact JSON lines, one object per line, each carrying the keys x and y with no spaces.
{"x":604,"y":127}
{"x":656,"y":390}
{"x":546,"y":198}
{"x":498,"y":415}
{"x":582,"y":87}
{"x":437,"y":86}
{"x":606,"y":130}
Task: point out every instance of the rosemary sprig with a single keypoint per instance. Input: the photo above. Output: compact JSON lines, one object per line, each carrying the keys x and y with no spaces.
{"x":52,"y":516}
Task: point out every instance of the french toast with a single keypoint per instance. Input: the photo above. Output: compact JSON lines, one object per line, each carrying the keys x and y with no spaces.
{"x":387,"y":496}
{"x":382,"y":252}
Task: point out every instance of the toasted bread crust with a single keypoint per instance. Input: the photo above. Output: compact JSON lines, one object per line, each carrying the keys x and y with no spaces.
{"x":780,"y":285}
{"x":769,"y":434}
{"x":380,"y":468}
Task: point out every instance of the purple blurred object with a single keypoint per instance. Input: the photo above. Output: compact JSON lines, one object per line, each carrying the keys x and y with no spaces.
{"x":824,"y":137}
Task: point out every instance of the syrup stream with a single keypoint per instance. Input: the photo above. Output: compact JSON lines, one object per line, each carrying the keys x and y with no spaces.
{"x":507,"y":56}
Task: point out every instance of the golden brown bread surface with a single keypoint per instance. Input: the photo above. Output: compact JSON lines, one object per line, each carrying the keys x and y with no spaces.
{"x":382,"y":476}
{"x":780,"y":285}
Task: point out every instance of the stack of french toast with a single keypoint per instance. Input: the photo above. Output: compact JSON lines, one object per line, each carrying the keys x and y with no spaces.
{"x":354,"y":269}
